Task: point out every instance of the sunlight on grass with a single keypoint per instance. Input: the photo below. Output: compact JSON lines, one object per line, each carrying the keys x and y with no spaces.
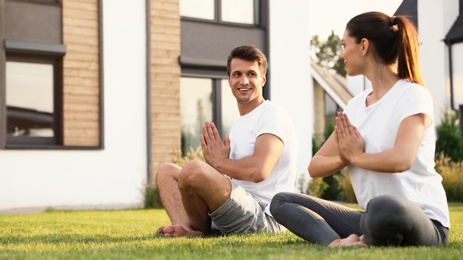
{"x":131,"y":234}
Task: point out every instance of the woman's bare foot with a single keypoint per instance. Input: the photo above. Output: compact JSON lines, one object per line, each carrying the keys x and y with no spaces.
{"x":178,"y":231}
{"x":352,"y":240}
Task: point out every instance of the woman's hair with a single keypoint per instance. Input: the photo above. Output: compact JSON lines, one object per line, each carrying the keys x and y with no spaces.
{"x":249,"y":53}
{"x":394,"y":38}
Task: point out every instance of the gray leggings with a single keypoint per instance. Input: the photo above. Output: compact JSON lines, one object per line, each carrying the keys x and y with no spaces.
{"x":388,"y":220}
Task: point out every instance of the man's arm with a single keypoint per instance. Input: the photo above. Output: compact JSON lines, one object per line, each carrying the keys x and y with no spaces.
{"x":253,"y":168}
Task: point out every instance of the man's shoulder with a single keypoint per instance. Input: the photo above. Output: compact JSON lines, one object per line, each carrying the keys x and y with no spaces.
{"x":269,"y":105}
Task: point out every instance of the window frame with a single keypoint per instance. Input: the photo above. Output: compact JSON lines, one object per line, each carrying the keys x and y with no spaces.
{"x":46,"y":2}
{"x":216,"y":95}
{"x":39,"y":54}
{"x":218,"y":16}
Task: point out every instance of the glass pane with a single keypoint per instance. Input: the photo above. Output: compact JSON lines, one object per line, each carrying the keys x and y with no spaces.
{"x":29,"y":99}
{"x":195,"y":109}
{"x":203,"y":9}
{"x":229,"y":108}
{"x":239,"y":11}
{"x":330,"y":106}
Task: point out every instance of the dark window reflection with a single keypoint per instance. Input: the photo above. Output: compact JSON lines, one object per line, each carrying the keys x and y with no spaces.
{"x":195,"y":108}
{"x":29,"y":99}
{"x":200,"y":102}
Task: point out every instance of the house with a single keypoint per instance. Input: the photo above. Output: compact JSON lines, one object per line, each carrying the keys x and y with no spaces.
{"x":440,"y":27}
{"x":96,"y":94}
{"x":331,"y":94}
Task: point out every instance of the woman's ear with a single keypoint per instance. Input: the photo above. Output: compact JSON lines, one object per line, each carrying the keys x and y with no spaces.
{"x":364,"y":45}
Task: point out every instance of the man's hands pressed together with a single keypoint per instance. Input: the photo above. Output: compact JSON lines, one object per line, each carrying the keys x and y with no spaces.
{"x":214,"y":150}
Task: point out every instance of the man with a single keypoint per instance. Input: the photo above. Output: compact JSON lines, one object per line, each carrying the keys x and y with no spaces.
{"x":232,"y":189}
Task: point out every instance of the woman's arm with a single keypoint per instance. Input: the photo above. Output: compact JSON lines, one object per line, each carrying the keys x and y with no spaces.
{"x":327,"y":160}
{"x":398,"y":158}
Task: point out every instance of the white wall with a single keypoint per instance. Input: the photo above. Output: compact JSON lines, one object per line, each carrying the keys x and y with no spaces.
{"x":290,"y":69}
{"x":32,"y":180}
{"x":435,"y":19}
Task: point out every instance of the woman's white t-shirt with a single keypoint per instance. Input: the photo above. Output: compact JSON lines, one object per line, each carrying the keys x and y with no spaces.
{"x":378,"y":124}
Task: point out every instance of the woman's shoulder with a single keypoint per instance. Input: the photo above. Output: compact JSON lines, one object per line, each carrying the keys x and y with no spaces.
{"x":408,"y":88}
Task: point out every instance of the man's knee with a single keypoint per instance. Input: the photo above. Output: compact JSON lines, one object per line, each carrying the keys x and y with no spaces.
{"x":166,"y":171}
{"x":190,"y":175}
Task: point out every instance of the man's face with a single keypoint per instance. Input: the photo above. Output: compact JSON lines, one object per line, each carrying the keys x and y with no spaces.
{"x":246,"y":81}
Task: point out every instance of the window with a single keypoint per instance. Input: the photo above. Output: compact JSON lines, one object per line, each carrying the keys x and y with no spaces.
{"x":331,"y":108}
{"x":201,"y":9}
{"x":32,"y":54}
{"x":50,"y":71}
{"x":195,"y":109}
{"x":229,"y":107}
{"x":239,"y":11}
{"x":201,"y":100}
{"x":32,"y":112}
{"x":222,"y":11}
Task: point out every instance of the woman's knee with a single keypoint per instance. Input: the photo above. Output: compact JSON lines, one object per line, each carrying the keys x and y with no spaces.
{"x":390,"y":205}
{"x":384,"y":217}
{"x":277,"y":202}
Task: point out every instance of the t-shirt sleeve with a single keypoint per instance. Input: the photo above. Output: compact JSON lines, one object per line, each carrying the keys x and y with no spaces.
{"x":416,"y":100}
{"x":275,"y":121}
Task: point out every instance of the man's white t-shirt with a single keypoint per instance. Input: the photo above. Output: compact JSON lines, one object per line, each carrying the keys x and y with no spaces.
{"x":267,"y":118}
{"x":378,"y":125}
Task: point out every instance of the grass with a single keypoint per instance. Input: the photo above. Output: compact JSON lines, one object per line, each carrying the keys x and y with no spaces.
{"x":131,"y":234}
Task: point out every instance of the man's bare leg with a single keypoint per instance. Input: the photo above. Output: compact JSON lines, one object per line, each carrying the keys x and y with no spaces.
{"x":203,"y":190}
{"x":167,"y":183}
{"x":188,"y":195}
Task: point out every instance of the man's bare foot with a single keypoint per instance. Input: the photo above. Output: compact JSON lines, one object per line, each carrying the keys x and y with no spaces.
{"x":352,"y":240}
{"x":178,"y":231}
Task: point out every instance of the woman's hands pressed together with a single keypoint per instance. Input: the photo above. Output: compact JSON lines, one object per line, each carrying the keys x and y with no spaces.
{"x":350,"y":142}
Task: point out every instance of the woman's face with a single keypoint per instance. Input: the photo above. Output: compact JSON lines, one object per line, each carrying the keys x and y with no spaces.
{"x":352,"y":55}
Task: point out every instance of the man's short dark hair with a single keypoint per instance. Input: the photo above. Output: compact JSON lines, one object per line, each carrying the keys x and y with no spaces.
{"x":249,"y":53}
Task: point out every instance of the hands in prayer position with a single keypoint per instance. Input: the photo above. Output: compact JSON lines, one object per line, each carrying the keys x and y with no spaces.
{"x":350,"y":142}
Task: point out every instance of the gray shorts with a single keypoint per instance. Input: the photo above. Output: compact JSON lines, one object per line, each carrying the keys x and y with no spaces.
{"x":242,"y":213}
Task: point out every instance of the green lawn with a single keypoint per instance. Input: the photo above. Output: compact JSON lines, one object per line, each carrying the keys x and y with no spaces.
{"x":131,"y":234}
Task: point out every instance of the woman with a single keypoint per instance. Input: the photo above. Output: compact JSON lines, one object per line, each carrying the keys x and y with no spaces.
{"x":386,"y":139}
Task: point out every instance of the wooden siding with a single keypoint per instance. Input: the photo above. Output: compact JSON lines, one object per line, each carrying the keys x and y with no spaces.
{"x":81,"y":73}
{"x":165,"y":81}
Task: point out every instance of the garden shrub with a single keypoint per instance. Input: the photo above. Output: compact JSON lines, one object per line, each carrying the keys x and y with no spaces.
{"x":316,"y":187}
{"x":346,"y":190}
{"x":449,"y":140}
{"x":152,"y":198}
{"x":452,"y":174}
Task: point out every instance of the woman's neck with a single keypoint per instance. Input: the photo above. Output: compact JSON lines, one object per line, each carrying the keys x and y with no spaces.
{"x":382,"y":80}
